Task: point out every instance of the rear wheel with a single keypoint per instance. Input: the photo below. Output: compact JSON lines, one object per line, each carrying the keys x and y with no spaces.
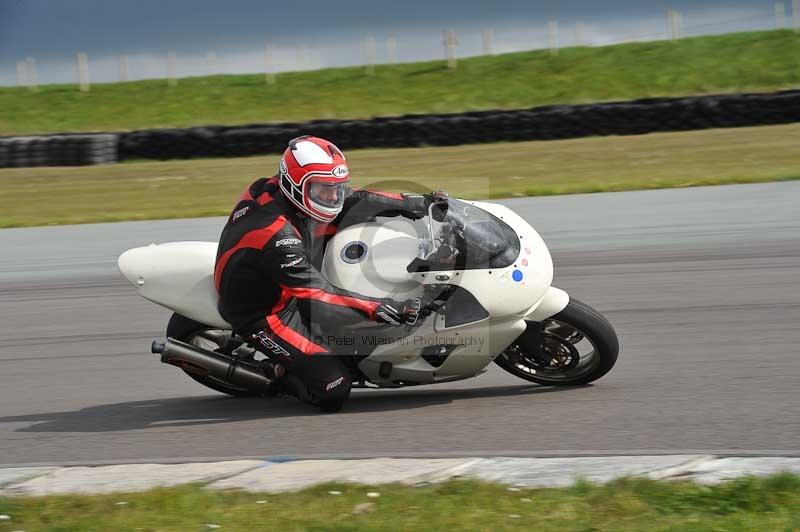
{"x":576,"y":346}
{"x":197,"y":334}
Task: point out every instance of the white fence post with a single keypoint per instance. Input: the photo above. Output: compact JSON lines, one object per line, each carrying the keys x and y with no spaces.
{"x":302,"y":57}
{"x":391,"y":49}
{"x":674,"y":24}
{"x":780,"y":15}
{"x":669,"y":20}
{"x":22,"y":74}
{"x":369,"y":54}
{"x":211,"y":62}
{"x":30,"y":64}
{"x":676,"y":32}
{"x":450,"y":43}
{"x":552,"y":37}
{"x":172,"y":68}
{"x":123,"y":68}
{"x":269,"y":71}
{"x":487,"y":36}
{"x":670,"y":25}
{"x":83,"y":72}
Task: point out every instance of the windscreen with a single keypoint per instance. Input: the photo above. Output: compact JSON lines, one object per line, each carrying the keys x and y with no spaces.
{"x":487,"y":241}
{"x":470,"y":238}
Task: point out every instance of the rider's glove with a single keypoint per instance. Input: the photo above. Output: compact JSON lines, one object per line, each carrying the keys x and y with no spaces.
{"x":439,"y":200}
{"x":409,"y":312}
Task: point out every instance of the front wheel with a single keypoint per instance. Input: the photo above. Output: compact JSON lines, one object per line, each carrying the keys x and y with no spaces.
{"x":574,"y":347}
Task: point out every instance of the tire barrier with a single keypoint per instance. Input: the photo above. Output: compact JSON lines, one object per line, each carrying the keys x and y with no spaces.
{"x":58,"y":150}
{"x":538,"y":123}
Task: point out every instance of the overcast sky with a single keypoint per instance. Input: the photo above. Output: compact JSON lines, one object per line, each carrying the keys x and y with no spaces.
{"x":316,"y":33}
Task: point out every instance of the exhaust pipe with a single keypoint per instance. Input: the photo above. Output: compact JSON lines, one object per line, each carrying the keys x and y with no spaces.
{"x":218,"y":366}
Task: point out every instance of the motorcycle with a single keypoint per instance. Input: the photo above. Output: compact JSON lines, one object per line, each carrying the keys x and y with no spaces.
{"x":482,"y":270}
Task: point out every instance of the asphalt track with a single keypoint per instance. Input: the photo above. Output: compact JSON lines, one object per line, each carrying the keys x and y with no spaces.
{"x":701,"y":285}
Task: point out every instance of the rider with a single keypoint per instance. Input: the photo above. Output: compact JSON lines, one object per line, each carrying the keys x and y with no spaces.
{"x":267,"y":269}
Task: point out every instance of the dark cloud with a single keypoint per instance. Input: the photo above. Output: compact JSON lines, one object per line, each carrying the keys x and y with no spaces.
{"x":317,"y":33}
{"x":61,"y":27}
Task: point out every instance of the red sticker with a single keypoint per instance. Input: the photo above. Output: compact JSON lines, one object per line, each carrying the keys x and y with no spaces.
{"x":524,"y":262}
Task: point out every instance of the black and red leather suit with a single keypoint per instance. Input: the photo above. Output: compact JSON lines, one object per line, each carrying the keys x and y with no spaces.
{"x":271,"y":290}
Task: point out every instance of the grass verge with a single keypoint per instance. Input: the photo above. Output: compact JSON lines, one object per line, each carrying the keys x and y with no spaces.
{"x":746,"y":504}
{"x":736,"y":62}
{"x":208,"y":187}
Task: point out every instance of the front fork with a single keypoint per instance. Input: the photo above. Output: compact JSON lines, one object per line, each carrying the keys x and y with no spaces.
{"x":531,"y":342}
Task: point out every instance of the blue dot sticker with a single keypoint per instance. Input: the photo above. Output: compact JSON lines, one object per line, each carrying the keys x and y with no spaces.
{"x":517,"y":275}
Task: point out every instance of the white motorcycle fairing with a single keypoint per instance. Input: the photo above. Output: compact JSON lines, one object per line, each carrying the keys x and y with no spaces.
{"x":509,"y":296}
{"x":178,"y":276}
{"x":447,"y":346}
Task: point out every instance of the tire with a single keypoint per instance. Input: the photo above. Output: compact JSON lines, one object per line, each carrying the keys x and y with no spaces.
{"x":576,"y":325}
{"x":186,"y":330}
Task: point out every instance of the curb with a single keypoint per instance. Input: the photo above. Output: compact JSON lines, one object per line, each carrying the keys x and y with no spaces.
{"x":283,"y":476}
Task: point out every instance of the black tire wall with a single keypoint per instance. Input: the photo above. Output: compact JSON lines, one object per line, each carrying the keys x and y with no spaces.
{"x":538,"y":123}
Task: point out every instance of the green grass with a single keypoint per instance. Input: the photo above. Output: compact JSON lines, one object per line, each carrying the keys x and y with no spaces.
{"x":728,"y":63}
{"x":746,"y":504}
{"x":207,"y":187}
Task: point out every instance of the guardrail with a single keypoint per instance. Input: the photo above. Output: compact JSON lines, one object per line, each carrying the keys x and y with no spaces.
{"x":539,"y":123}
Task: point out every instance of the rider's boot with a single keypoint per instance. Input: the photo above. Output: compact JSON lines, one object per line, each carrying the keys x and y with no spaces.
{"x":276,"y":373}
{"x":327,"y":402}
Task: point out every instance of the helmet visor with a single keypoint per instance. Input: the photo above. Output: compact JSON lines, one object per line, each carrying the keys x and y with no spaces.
{"x":327,"y":195}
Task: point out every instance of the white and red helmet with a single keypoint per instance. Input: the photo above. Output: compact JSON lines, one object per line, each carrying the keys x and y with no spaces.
{"x":313,"y":175}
